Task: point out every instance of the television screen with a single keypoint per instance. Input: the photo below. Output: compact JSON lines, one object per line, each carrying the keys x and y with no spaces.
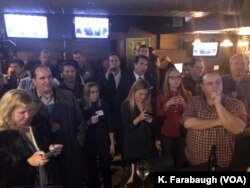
{"x":206,"y":49}
{"x":90,"y":27}
{"x":26,"y":26}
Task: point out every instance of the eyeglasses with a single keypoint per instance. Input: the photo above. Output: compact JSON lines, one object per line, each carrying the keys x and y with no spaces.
{"x":175,"y":77}
{"x":217,"y":83}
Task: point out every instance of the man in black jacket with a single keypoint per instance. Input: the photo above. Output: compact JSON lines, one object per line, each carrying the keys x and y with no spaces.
{"x":112,"y":88}
{"x":61,"y":108}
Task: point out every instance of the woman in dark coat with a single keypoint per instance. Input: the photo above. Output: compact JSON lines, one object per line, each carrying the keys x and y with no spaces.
{"x":138,"y":122}
{"x":99,"y":145}
{"x":22,"y":146}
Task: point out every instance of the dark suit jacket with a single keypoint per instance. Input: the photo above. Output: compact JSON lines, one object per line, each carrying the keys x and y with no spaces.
{"x":110,"y":94}
{"x":66,"y":112}
{"x":130,"y":79}
{"x":139,"y":139}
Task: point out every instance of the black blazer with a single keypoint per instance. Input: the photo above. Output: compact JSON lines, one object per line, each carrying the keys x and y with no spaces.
{"x":130,"y":79}
{"x":110,"y":94}
{"x":139,"y":139}
{"x":67,"y":113}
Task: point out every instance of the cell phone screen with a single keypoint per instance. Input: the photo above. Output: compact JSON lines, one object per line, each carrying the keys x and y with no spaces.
{"x":51,"y":152}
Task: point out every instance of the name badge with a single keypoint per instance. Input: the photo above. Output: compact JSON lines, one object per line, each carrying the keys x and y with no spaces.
{"x":99,"y":113}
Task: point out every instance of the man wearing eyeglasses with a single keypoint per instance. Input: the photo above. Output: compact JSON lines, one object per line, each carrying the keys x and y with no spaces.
{"x":236,"y":85}
{"x":191,"y":80}
{"x":212,"y":119}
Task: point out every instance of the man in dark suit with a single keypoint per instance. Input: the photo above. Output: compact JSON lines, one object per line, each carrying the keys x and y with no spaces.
{"x":61,"y":109}
{"x":112,"y":88}
{"x":140,"y":68}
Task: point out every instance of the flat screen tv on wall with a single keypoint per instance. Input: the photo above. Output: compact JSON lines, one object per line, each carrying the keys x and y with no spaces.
{"x":26,"y":26}
{"x":91,"y":27}
{"x":206,"y":49}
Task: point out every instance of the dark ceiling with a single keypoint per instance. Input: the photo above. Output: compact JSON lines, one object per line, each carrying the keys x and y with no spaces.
{"x":125,"y":7}
{"x":210,"y":9}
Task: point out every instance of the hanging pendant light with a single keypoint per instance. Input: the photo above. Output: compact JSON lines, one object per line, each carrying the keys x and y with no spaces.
{"x":196,"y":42}
{"x":226,"y":43}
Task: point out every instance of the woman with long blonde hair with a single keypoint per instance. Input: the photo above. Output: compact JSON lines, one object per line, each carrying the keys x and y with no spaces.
{"x":99,"y":145}
{"x":170,"y":104}
{"x":138,"y":122}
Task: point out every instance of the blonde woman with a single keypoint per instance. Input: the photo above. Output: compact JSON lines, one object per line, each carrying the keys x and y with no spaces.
{"x":99,"y":137}
{"x":170,"y":104}
{"x":138,"y":122}
{"x":23,"y":160}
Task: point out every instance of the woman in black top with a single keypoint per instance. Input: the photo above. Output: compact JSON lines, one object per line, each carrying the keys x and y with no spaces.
{"x":138,"y":122}
{"x":99,"y":145}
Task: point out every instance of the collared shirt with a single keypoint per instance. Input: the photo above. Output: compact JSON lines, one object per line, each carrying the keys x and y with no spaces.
{"x":199,"y":142}
{"x":117,"y":78}
{"x":139,"y":76}
{"x":49,"y":103}
{"x":26,"y":84}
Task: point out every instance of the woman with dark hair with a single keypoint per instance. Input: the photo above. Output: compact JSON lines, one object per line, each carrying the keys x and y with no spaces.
{"x":23,"y":161}
{"x":99,"y":145}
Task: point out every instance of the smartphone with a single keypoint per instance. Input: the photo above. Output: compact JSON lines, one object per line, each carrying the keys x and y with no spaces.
{"x":51,"y":152}
{"x":150,"y":113}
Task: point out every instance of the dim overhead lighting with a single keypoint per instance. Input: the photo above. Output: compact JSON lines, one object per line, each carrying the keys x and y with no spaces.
{"x":196,"y":42}
{"x":226,"y":43}
{"x":244,"y":31}
{"x":243,"y":43}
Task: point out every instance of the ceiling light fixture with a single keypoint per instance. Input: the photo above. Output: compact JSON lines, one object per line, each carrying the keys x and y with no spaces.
{"x":226,"y":43}
{"x":243,"y":43}
{"x":196,"y":42}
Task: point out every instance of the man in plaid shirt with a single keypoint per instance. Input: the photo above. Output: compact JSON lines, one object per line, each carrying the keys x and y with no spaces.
{"x":212,"y":119}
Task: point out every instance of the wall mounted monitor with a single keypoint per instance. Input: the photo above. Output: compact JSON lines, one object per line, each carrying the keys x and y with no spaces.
{"x":26,"y":26}
{"x":206,"y":49}
{"x":91,"y":27}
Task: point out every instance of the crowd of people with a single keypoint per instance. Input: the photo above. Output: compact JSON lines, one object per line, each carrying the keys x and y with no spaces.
{"x":61,"y":125}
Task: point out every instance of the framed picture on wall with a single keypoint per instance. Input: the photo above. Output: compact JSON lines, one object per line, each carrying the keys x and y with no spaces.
{"x":132,"y":45}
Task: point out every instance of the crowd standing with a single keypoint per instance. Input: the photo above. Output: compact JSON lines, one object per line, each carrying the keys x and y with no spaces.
{"x":61,"y":124}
